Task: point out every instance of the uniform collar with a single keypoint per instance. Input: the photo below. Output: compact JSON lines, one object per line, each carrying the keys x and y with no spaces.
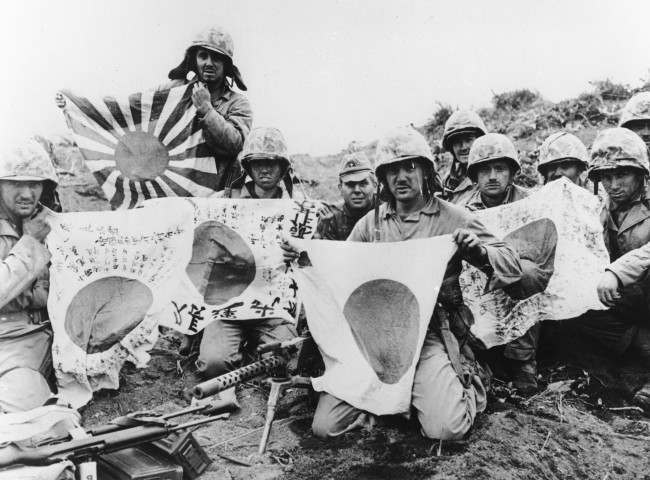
{"x":7,"y":228}
{"x":226,"y":95}
{"x":431,"y":208}
{"x":476,"y":202}
{"x":250,"y":187}
{"x":637,"y":212}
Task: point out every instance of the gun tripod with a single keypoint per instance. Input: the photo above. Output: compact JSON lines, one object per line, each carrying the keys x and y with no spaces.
{"x":278,"y":387}
{"x":275,"y":366}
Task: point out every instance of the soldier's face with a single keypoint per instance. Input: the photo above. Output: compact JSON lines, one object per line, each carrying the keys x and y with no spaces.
{"x":460,"y":145}
{"x":210,"y":66}
{"x":266,"y":173}
{"x":404,"y":180}
{"x":357,"y":194}
{"x":568,"y":169}
{"x":621,"y":185}
{"x":641,"y":128}
{"x":19,"y":198}
{"x":493,"y":177}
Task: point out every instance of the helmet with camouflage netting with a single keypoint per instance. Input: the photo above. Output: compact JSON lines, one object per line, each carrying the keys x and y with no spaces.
{"x":637,"y":108}
{"x":462,"y":121}
{"x":562,"y":146}
{"x":217,"y":40}
{"x":490,"y":147}
{"x":265,"y":143}
{"x":617,"y":148}
{"x":402,"y":143}
{"x":27,"y":162}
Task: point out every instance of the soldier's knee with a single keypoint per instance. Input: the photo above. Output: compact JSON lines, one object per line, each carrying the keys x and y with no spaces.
{"x":450,"y":427}
{"x":217,"y":363}
{"x":450,"y":420}
{"x":322,"y":427}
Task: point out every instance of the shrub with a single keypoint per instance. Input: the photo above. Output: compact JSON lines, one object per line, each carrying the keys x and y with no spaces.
{"x":515,"y":100}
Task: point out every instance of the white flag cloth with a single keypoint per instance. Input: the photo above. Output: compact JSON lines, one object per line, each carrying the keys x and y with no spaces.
{"x":560,"y":213}
{"x":236,"y":270}
{"x":368,"y":308}
{"x":111,"y":277}
{"x":178,"y":262}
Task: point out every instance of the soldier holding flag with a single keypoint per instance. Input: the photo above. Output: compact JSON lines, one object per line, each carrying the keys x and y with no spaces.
{"x":448,"y":390}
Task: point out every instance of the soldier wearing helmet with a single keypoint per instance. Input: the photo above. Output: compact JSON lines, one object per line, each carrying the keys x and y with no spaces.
{"x":447,"y":393}
{"x":25,"y":336}
{"x":357,"y":184}
{"x":492,"y":166}
{"x":619,"y":160}
{"x":563,"y":155}
{"x":266,"y":160}
{"x":225,"y":115}
{"x":462,"y":128}
{"x":636,"y":116}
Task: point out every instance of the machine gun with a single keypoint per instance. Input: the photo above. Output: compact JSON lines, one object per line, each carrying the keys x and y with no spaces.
{"x":274,"y":360}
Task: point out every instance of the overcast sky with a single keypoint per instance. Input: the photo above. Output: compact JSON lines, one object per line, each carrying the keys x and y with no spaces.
{"x":324,"y":72}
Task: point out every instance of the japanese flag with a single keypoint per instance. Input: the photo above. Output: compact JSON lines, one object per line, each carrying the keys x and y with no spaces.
{"x":368,"y":308}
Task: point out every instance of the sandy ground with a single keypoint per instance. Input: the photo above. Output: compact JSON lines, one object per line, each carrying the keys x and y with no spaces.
{"x":567,"y":431}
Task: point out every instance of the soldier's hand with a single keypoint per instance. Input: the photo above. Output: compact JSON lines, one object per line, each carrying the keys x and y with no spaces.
{"x":470,"y":246}
{"x":324,"y":212}
{"x":38,"y":226}
{"x":607,"y":288}
{"x":201,"y":98}
{"x":59,"y":99}
{"x":290,"y":252}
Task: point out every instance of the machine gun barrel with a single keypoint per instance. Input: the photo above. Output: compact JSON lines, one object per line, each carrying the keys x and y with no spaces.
{"x":230,"y":379}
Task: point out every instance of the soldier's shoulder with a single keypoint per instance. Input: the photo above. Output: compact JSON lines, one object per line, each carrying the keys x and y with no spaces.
{"x":453,"y":208}
{"x":237,"y":98}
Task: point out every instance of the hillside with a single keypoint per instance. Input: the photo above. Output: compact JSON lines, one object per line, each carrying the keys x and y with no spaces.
{"x":523,"y":115}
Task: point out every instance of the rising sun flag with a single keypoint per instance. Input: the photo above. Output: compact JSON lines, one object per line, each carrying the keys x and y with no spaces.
{"x":147,"y":145}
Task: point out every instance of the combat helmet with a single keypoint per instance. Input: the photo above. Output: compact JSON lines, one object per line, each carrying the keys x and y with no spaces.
{"x":265,"y":143}
{"x":492,"y":146}
{"x":217,"y":40}
{"x":562,"y":146}
{"x":637,"y":108}
{"x":28,"y":162}
{"x":462,"y":121}
{"x":402,"y":143}
{"x":615,"y":148}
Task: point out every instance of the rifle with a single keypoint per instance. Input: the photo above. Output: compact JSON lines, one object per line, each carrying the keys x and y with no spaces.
{"x":274,"y":365}
{"x":81,"y":450}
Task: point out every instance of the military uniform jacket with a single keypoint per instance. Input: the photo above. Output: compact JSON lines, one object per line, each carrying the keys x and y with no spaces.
{"x":457,"y":186}
{"x":339,"y":226}
{"x":225,"y":128}
{"x":475,"y":201}
{"x":25,"y":282}
{"x":631,"y":233}
{"x":632,"y":266}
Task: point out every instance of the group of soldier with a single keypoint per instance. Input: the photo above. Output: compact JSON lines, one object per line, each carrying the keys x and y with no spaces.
{"x":402,"y":197}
